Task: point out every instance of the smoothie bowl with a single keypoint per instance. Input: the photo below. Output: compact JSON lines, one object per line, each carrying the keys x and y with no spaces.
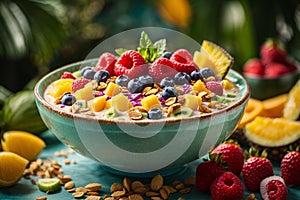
{"x":141,"y":116}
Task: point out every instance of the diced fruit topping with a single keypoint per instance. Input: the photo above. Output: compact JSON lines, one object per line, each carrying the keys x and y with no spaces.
{"x":99,"y":103}
{"x":112,"y":89}
{"x":85,"y":93}
{"x":272,"y":132}
{"x":150,"y":102}
{"x":12,"y":167}
{"x":22,"y":143}
{"x":132,"y":64}
{"x":106,"y":62}
{"x":59,"y":87}
{"x":215,"y":87}
{"x":191,"y":101}
{"x":67,"y":75}
{"x":183,"y":61}
{"x":290,"y":168}
{"x":79,"y":84}
{"x":169,"y":92}
{"x":161,"y":68}
{"x":199,"y":86}
{"x":121,"y":103}
{"x":155,"y":113}
{"x":222,"y":60}
{"x":273,"y":188}
{"x":232,"y":154}
{"x":182,"y":112}
{"x":68,"y":99}
{"x":101,"y":76}
{"x":227,"y":186}
{"x":182,"y":78}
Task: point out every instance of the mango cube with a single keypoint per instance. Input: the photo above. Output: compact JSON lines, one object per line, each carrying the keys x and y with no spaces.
{"x":112,"y":89}
{"x":150,"y":102}
{"x":199,"y":86}
{"x":59,"y":87}
{"x":99,"y":103}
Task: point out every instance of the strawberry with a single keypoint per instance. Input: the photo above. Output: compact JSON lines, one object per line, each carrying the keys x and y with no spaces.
{"x":132,"y":64}
{"x":214,"y":87}
{"x":232,"y":155}
{"x":183,"y":61}
{"x":290,"y":168}
{"x":254,"y":67}
{"x":226,"y":187}
{"x":67,"y":75}
{"x":207,"y":172}
{"x":106,"y":62}
{"x":273,"y":188}
{"x":162,"y":68}
{"x":272,"y":51}
{"x":254,"y":170}
{"x":274,"y":70}
{"x":79,"y":83}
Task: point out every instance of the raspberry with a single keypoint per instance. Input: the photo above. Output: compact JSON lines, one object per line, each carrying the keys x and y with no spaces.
{"x":274,"y":70}
{"x":106,"y":62}
{"x":183,"y":61}
{"x":132,"y":64}
{"x":162,"y":68}
{"x":67,"y":75}
{"x":214,"y":87}
{"x":254,"y":67}
{"x":227,"y":186}
{"x":273,"y":188}
{"x":79,"y":83}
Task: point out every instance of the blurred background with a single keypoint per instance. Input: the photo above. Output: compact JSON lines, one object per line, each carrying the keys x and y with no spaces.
{"x":37,"y":36}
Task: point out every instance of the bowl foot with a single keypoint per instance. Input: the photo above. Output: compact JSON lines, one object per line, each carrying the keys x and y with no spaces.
{"x":163,"y":172}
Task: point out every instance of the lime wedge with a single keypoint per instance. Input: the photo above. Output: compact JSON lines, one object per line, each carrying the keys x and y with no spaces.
{"x":49,"y":185}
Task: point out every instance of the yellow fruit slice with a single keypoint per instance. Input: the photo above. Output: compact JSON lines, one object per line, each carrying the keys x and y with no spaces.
{"x":272,"y":132}
{"x":12,"y":167}
{"x":273,"y":107}
{"x":253,"y":109}
{"x":291,"y":109}
{"x":219,"y":56}
{"x":22,"y":143}
{"x":59,"y":87}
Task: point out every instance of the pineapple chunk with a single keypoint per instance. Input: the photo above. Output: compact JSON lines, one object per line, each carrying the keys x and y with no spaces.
{"x":121,"y":103}
{"x":85,"y":93}
{"x":191,"y":101}
{"x":150,"y":102}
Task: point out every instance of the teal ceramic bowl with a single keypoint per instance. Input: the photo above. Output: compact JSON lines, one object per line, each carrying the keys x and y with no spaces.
{"x":140,"y":147}
{"x":264,"y":88}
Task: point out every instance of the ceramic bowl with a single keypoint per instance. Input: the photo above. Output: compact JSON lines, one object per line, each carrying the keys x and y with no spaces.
{"x":140,"y":147}
{"x":264,"y":88}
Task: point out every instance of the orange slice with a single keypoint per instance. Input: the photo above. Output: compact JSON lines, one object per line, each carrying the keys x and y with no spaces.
{"x":273,"y":107}
{"x":22,"y":143}
{"x":291,"y":109}
{"x":253,"y":109}
{"x":12,"y":167}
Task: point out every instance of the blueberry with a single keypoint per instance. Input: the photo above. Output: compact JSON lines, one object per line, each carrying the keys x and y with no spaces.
{"x":165,"y":82}
{"x":89,"y":74}
{"x":101,"y":76}
{"x":169,"y":92}
{"x":207,"y":72}
{"x":196,"y":75}
{"x":122,"y":80}
{"x":166,"y":55}
{"x":135,"y":86}
{"x":68,"y":99}
{"x":146,"y":81}
{"x":182,"y":78}
{"x":155,"y":113}
{"x":85,"y":68}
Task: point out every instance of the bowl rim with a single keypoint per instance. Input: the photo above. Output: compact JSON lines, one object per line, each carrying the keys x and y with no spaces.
{"x":40,"y":98}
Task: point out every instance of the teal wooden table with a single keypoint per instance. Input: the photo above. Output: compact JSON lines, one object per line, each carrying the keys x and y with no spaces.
{"x":86,"y":171}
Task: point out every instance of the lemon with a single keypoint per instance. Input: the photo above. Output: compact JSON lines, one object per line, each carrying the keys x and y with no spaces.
{"x":291,"y":110}
{"x":22,"y":143}
{"x":272,"y":132}
{"x":12,"y":167}
{"x":212,"y":53}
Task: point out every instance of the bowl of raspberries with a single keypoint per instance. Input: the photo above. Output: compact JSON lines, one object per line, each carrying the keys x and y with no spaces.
{"x":274,"y":73}
{"x":141,"y":106}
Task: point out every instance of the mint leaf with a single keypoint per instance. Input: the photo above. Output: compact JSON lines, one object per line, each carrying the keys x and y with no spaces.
{"x":120,"y":51}
{"x":145,"y":41}
{"x":161,"y":46}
